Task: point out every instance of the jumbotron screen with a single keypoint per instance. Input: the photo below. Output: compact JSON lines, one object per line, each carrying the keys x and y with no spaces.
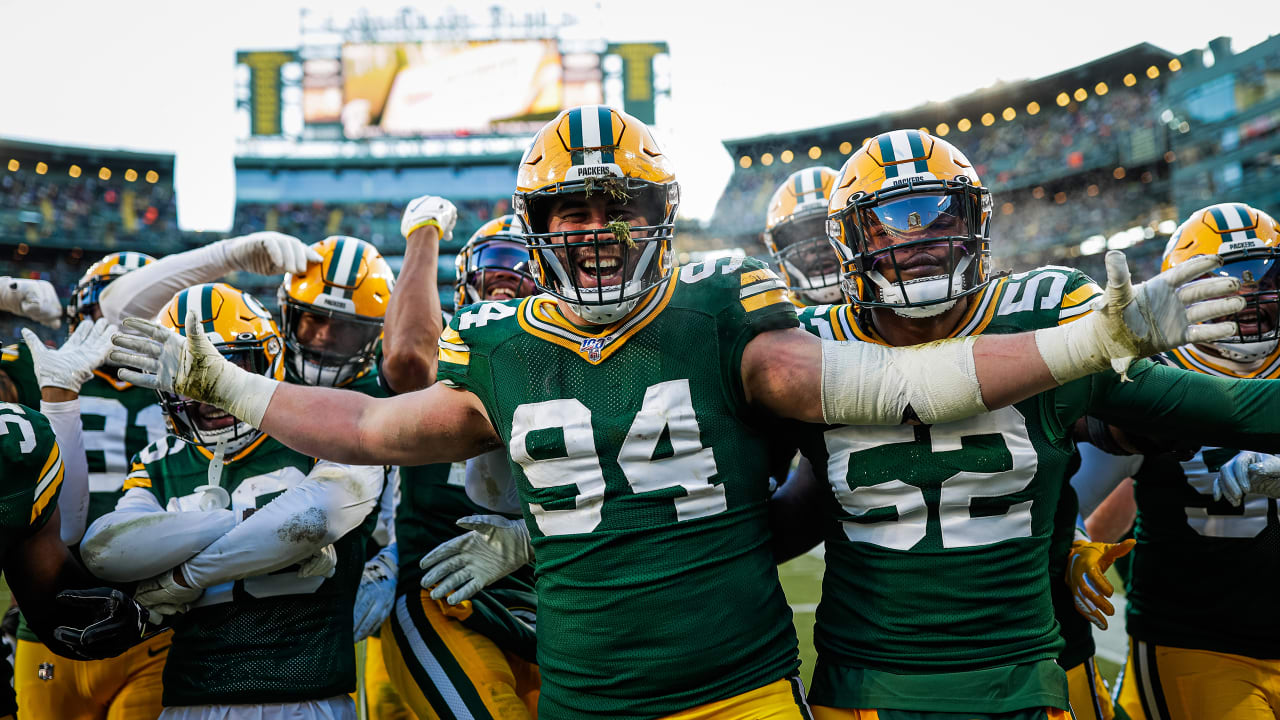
{"x":443,"y":88}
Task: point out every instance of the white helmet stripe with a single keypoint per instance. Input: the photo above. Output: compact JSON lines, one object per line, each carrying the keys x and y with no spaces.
{"x":591,"y":134}
{"x":349,"y":251}
{"x":1235,"y":219}
{"x":901,"y":145}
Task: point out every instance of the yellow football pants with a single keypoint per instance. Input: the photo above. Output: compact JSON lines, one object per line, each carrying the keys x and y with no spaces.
{"x":380,"y":696}
{"x":781,"y":700}
{"x":127,"y":687}
{"x":444,"y":670}
{"x":1166,"y":683}
{"x":829,"y":713}
{"x":1090,"y":699}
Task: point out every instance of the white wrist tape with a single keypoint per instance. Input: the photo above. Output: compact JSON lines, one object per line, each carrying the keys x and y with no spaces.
{"x":1073,"y":350}
{"x":868,"y":384}
{"x":244,"y":394}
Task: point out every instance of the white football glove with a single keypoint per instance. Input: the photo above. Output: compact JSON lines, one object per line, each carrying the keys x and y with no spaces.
{"x":1248,"y":472}
{"x":32,"y":299}
{"x":1130,"y":322}
{"x":269,"y":253}
{"x":429,"y":210}
{"x":377,"y":592}
{"x":71,"y":365}
{"x":324,"y":563}
{"x":162,"y":594}
{"x":191,"y":367}
{"x":465,"y":565}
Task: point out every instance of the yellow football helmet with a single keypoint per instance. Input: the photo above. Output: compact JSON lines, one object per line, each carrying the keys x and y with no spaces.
{"x":1249,"y":242}
{"x":911,"y":223}
{"x":795,"y":233}
{"x":601,"y":269}
{"x":243,"y":331}
{"x":98,"y":276}
{"x":494,"y":264}
{"x":333,"y":314}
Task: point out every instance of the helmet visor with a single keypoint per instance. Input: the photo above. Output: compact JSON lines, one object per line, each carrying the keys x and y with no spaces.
{"x":914,"y":218}
{"x":335,"y":335}
{"x":1259,"y":277}
{"x":804,"y":250}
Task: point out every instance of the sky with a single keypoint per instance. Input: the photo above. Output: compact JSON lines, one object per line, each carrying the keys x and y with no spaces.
{"x":159,"y":75}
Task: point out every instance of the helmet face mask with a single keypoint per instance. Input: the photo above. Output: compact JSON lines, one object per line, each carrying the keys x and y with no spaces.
{"x":804,"y":254}
{"x":494,"y":264}
{"x":206,"y":425}
{"x":327,"y":347}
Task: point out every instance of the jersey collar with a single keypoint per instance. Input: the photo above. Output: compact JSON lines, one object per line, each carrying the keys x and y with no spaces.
{"x":844,"y":319}
{"x":540,"y":316}
{"x":1191,"y":357}
{"x":115,"y":383}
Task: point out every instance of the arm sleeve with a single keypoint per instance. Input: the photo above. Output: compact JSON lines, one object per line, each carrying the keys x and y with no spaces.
{"x":73,"y":501}
{"x":1226,"y":412}
{"x":385,"y":531}
{"x":139,"y":539}
{"x":144,"y":292}
{"x":1099,"y":474}
{"x":322,"y":508}
{"x":489,"y":483}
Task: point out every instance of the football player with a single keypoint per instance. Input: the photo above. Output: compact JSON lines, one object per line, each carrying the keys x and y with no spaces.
{"x":936,"y":597}
{"x":795,"y":232}
{"x":475,"y":659}
{"x":256,"y":553}
{"x":633,"y":398}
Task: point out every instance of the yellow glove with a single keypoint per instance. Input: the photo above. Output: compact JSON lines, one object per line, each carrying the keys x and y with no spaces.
{"x":1086,"y":566}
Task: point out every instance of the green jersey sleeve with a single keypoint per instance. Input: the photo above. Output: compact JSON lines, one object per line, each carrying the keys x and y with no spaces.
{"x":32,"y":477}
{"x":16,"y":362}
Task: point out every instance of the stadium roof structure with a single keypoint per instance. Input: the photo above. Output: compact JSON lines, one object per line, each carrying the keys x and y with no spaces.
{"x":1113,"y":68}
{"x":51,"y":152}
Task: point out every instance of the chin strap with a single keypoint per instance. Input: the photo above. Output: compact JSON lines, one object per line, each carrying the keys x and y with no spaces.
{"x":213,"y":496}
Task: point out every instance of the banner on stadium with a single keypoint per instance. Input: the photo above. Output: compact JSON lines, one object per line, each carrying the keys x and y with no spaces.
{"x":637,"y":77}
{"x":264,"y":88}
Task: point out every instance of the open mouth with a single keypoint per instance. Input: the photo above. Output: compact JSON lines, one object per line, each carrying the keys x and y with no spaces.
{"x":1253,"y":323}
{"x":597,"y":268}
{"x":209,"y":417}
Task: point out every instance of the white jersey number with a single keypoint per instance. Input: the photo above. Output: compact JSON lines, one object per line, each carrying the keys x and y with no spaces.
{"x":960,"y":528}
{"x":110,"y":440}
{"x":1243,"y":522}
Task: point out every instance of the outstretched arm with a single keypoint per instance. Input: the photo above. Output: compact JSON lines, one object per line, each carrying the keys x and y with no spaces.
{"x":414,"y":320}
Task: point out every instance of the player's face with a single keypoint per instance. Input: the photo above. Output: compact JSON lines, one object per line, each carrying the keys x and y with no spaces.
{"x":898,"y":233}
{"x":804,"y":244}
{"x":1258,"y":284}
{"x":501,"y":272}
{"x":334,"y":335}
{"x":598,"y":264}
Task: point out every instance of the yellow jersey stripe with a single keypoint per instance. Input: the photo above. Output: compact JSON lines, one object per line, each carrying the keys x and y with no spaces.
{"x":757,"y":276}
{"x":1082,"y":294}
{"x":137,"y":481}
{"x":44,"y":498}
{"x":540,"y":317}
{"x":55,"y":455}
{"x":457,"y":357}
{"x":759,"y":300}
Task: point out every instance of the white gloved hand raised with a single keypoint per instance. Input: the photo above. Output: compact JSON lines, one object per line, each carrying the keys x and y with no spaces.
{"x":71,"y":365}
{"x":1248,"y":472}
{"x":377,"y":592}
{"x":191,"y":367}
{"x":495,"y":548}
{"x":269,"y":253}
{"x":1129,"y":321}
{"x":165,"y":595}
{"x":429,"y":210}
{"x":32,"y":299}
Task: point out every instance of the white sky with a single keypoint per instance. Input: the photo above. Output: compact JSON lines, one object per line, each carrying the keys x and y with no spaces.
{"x":158,"y":75}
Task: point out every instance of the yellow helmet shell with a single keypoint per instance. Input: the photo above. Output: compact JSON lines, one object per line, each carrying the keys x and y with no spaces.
{"x":98,"y":276}
{"x":351,"y":279}
{"x":1219,"y":229}
{"x":231,"y":318}
{"x":592,"y":141}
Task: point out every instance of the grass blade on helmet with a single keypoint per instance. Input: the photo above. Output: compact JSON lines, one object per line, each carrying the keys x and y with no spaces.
{"x":494,"y":264}
{"x":332,"y":315}
{"x":599,"y":199}
{"x":240,"y":327}
{"x":795,"y":232}
{"x":911,"y":221}
{"x":84,"y":298}
{"x":1249,"y":242}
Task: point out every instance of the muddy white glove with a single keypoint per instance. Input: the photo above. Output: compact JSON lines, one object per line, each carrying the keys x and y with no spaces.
{"x":165,"y":595}
{"x":32,"y":299}
{"x":323,"y":564}
{"x":191,"y":367}
{"x":71,"y":365}
{"x":269,"y":253}
{"x":463,"y":566}
{"x":1248,"y":472}
{"x":377,"y":592}
{"x":429,"y":210}
{"x":1129,"y":322}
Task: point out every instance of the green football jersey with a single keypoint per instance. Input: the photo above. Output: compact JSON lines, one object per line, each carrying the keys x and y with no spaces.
{"x":17,"y":364}
{"x":30,"y":473}
{"x":644,"y":480}
{"x":119,"y":420}
{"x":1204,"y":571}
{"x":265,"y":639}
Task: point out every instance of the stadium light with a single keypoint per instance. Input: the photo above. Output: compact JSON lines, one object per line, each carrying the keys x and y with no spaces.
{"x":41,"y":168}
{"x":1093,"y":245}
{"x":13,"y":165}
{"x":1033,"y":107}
{"x":1091,"y":191}
{"x":744,"y":162}
{"x":1081,"y":94}
{"x":74,"y":171}
{"x":766,"y":159}
{"x":1006,"y":209}
{"x":1118,"y":173}
{"x":988,"y":119}
{"x":815,"y":152}
{"x":1175,"y":65}
{"x":1063,"y":99}
{"x":23,"y":248}
{"x":104,"y":174}
{"x":865,"y":140}
{"x":1060,"y":197}
{"x":1130,"y":80}
{"x":1100,"y":89}
{"x":942,"y":130}
{"x":964,"y":125}
{"x":786,"y":157}
{"x":152,"y":176}
{"x":130,"y":174}
{"x":1166,"y":227}
{"x":1009,"y":114}
{"x":1038,"y":192}
{"x":846,"y":147}
{"x":1153,"y":72}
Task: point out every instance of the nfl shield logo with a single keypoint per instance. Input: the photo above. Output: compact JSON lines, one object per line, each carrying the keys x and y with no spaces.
{"x":591,"y":347}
